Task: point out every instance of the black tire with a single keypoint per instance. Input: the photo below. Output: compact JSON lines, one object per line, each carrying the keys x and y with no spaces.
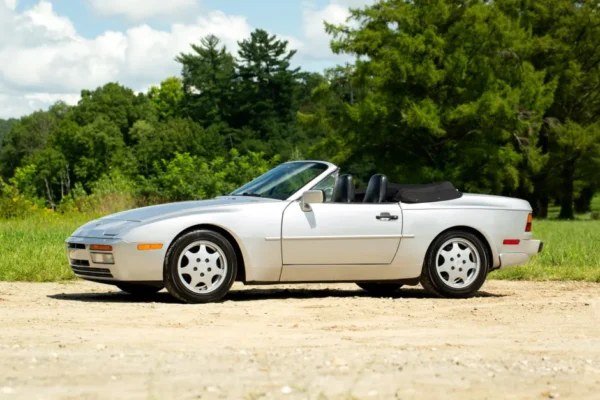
{"x":380,"y":289}
{"x":173,"y":281}
{"x":139,"y":290}
{"x":433,"y":283}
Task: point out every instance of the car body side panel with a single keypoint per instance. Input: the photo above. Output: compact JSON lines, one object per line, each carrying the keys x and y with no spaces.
{"x":425,"y":224}
{"x":340,"y":234}
{"x":251,"y":225}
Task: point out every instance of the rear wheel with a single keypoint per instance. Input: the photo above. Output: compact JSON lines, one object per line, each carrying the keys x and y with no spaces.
{"x":139,"y":290}
{"x":380,"y":289}
{"x":200,"y":267}
{"x":456,"y":265}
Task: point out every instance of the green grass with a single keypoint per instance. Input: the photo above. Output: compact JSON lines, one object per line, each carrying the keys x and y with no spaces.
{"x":33,"y":249}
{"x":571,"y":252}
{"x":571,"y":249}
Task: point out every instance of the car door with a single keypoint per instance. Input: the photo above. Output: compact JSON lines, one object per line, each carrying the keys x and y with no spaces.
{"x":341,"y":234}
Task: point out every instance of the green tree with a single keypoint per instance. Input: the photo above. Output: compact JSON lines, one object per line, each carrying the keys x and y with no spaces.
{"x":188,"y":177}
{"x":163,"y":140}
{"x":92,"y":150}
{"x":116,"y":104}
{"x":5,"y":127}
{"x":27,"y":136}
{"x":208,"y":82}
{"x":167,"y":97}
{"x":441,"y":90}
{"x":268,"y":86}
{"x":566,"y":38}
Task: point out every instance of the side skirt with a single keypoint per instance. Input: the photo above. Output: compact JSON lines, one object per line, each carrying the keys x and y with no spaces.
{"x":407,"y":282}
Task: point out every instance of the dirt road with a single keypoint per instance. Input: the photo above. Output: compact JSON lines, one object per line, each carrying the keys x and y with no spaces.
{"x":516,"y":340}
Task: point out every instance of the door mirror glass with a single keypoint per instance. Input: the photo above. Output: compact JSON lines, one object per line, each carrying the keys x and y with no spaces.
{"x":311,"y":197}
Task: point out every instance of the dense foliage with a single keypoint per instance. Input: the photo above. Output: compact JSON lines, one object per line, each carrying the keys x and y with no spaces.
{"x":497,"y":96}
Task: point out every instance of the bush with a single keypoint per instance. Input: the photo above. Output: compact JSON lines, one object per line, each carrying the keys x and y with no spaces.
{"x":111,"y":193}
{"x":193,"y":178}
{"x":595,"y":216}
{"x":13,"y":204}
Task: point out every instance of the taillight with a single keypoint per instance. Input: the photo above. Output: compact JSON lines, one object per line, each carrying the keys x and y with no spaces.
{"x":529,"y":221}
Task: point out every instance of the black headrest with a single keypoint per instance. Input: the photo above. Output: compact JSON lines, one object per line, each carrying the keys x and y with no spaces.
{"x":376,"y":190}
{"x":344,"y":190}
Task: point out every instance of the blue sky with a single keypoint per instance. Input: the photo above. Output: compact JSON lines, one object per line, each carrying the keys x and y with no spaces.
{"x":51,"y":49}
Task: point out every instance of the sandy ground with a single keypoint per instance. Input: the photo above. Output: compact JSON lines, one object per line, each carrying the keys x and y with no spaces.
{"x":516,"y":340}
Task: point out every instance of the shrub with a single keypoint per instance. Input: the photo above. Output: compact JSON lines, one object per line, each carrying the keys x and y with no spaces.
{"x":192,"y":178}
{"x":111,"y":193}
{"x":13,"y":204}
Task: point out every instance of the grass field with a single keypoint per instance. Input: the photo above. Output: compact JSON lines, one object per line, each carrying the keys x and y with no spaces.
{"x":33,"y":249}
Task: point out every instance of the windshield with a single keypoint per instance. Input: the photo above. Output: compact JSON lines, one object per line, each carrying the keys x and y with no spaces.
{"x":282,"y":181}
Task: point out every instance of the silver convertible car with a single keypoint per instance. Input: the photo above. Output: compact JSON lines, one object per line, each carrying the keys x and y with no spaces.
{"x":303,"y":222}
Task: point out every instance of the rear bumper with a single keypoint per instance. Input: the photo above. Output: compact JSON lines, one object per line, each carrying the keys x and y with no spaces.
{"x":526,"y":249}
{"x":130,"y":264}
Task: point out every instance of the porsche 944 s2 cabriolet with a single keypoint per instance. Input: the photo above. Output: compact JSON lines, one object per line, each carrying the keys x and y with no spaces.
{"x":303,"y":222}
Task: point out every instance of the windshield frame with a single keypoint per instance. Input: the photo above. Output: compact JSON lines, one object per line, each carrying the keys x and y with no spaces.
{"x":298,"y":194}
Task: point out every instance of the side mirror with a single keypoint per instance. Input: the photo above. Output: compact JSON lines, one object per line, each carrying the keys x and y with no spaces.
{"x":311,"y":197}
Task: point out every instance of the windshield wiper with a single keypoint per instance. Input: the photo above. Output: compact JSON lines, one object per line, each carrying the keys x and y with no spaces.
{"x":249,"y":194}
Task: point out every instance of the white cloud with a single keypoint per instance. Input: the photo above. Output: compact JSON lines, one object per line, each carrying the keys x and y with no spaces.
{"x":44,"y":59}
{"x":314,"y":29}
{"x":50,"y":61}
{"x":14,"y":104}
{"x":317,"y":47}
{"x":11,"y":4}
{"x":353,"y":3}
{"x":142,"y":9}
{"x":42,"y":15}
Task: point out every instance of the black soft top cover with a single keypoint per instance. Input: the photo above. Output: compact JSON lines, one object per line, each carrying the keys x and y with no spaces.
{"x":425,"y":193}
{"x":417,"y":193}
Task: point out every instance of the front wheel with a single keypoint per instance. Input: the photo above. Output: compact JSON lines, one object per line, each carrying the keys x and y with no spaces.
{"x":456,"y":265}
{"x":200,"y":267}
{"x":380,"y":289}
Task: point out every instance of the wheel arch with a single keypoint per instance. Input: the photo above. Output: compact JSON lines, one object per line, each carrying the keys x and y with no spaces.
{"x":486,"y":242}
{"x":241,"y":271}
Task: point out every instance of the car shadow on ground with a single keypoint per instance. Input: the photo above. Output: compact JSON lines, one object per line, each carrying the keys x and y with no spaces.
{"x":253,"y":294}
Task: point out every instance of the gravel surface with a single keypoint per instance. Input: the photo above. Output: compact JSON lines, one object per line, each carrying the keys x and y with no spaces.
{"x":86,"y":341}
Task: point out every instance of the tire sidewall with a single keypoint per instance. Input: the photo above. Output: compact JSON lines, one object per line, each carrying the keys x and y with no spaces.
{"x":171,"y":274}
{"x":431,"y":265}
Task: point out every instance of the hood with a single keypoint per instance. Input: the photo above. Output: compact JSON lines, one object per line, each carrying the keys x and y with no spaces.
{"x":112,"y":225}
{"x":186,"y":207}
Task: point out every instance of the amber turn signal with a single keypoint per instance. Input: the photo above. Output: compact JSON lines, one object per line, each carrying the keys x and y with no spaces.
{"x":154,"y":246}
{"x":101,"y":247}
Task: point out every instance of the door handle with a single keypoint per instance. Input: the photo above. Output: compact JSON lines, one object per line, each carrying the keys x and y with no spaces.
{"x":387,"y":216}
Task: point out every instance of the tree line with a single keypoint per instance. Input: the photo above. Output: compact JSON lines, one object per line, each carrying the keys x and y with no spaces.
{"x":499,"y":97}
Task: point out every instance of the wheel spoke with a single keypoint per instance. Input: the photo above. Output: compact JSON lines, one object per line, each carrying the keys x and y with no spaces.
{"x":196,"y":279}
{"x":445,"y":266}
{"x":190,"y":256}
{"x":212,"y":259}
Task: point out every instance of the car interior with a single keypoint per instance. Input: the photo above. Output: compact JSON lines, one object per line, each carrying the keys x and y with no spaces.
{"x":379,"y":190}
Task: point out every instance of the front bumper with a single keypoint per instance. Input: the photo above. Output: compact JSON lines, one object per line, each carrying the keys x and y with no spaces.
{"x":521,"y":253}
{"x":130,"y":264}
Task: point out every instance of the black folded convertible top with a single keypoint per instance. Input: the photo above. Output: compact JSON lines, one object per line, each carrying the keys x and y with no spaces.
{"x":425,"y":193}
{"x":417,"y":193}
